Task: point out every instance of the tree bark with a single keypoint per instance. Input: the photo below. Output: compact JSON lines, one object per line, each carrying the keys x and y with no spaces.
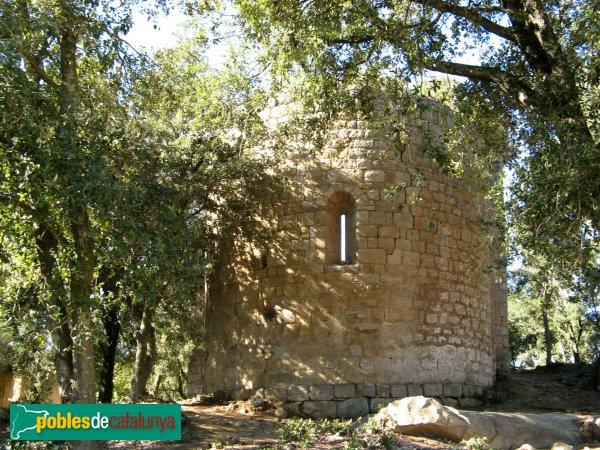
{"x":547,"y":338}
{"x":47,"y":247}
{"x":145,"y":351}
{"x":109,"y":280}
{"x":108,"y":352}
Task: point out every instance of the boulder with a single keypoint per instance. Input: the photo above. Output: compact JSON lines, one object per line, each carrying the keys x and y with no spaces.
{"x":426,"y":416}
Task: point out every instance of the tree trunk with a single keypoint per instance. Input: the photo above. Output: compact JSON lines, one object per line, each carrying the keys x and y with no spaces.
{"x":596,"y":374}
{"x":145,"y":351}
{"x":547,"y":338}
{"x":47,"y":247}
{"x":109,"y":280}
{"x":156,"y":389}
{"x":108,"y":351}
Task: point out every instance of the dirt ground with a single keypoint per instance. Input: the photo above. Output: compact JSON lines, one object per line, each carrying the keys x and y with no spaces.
{"x":559,"y":388}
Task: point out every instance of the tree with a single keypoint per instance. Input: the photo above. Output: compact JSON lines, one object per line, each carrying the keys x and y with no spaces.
{"x":538,"y":78}
{"x":118,"y":175}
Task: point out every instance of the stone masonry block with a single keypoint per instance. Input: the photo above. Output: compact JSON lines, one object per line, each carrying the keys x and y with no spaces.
{"x":398,"y":391}
{"x":372,"y":256}
{"x":382,"y":390}
{"x":433,"y":390}
{"x":414,"y":390}
{"x":321,"y":392}
{"x":344,"y":391}
{"x":377,"y":403}
{"x":468,"y":391}
{"x":453,"y":390}
{"x":277,"y":393}
{"x":375,"y":176}
{"x":298,"y":393}
{"x":353,"y":407}
{"x":320,"y":410}
{"x":365,"y":390}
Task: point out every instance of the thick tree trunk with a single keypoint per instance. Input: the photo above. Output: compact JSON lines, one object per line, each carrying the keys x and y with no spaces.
{"x":145,"y":352}
{"x":596,"y":374}
{"x":109,"y":280}
{"x":547,"y":338}
{"x":108,"y":351}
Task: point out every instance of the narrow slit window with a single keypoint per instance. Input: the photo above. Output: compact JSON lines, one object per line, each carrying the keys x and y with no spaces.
{"x":343,"y":238}
{"x":341,"y":242}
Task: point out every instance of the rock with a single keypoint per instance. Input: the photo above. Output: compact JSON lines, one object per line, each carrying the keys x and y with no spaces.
{"x":320,"y":410}
{"x":426,"y":416}
{"x":561,"y":446}
{"x":257,"y":401}
{"x":433,"y":390}
{"x":321,"y":392}
{"x":277,"y":393}
{"x":377,"y":403}
{"x":297,"y":393}
{"x":421,"y":415}
{"x":281,"y":412}
{"x":398,"y":391}
{"x":450,"y":401}
{"x":526,"y":447}
{"x":353,"y":407}
{"x":414,"y":390}
{"x":468,"y":402}
{"x":453,"y":390}
{"x":365,"y":390}
{"x":288,"y":446}
{"x":591,"y":429}
{"x":344,"y":390}
{"x":382,"y":390}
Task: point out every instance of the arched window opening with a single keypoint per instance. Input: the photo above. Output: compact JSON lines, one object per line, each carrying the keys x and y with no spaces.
{"x":341,"y":227}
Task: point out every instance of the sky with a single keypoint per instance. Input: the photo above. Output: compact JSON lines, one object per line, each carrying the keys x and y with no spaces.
{"x":146,"y":35}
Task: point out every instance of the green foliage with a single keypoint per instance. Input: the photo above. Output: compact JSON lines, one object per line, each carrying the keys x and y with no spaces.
{"x":475,"y":443}
{"x":530,"y":102}
{"x":298,"y":430}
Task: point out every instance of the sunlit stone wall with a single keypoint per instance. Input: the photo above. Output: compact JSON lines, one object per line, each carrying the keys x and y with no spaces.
{"x":414,"y":309}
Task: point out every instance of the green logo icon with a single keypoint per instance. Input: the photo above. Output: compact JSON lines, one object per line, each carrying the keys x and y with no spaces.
{"x":95,"y":422}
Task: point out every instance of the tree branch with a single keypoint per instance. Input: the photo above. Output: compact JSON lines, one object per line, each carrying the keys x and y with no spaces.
{"x":513,"y":86}
{"x":39,"y":70}
{"x":473,"y":15}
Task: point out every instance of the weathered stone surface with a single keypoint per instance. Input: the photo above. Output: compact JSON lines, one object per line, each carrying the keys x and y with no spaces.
{"x":293,"y":409}
{"x":382,"y":390}
{"x":469,"y":391}
{"x":414,"y":390}
{"x":433,"y":390}
{"x":466,"y":402}
{"x":319,"y":410}
{"x":412,"y":279}
{"x":298,"y":393}
{"x":377,"y":403}
{"x":398,"y":391}
{"x":241,"y":394}
{"x":321,"y":392}
{"x":561,"y":446}
{"x":365,"y":390}
{"x":344,"y":391}
{"x":257,"y":401}
{"x":277,"y":393}
{"x":421,"y":415}
{"x":353,"y":407}
{"x":453,"y":390}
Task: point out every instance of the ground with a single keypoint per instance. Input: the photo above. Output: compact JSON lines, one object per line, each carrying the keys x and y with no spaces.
{"x":558,"y":388}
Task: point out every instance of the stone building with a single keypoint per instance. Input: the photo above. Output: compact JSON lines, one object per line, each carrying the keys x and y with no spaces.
{"x":368,"y":284}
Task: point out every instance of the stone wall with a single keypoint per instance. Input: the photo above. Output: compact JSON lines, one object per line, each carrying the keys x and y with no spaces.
{"x":414,"y":306}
